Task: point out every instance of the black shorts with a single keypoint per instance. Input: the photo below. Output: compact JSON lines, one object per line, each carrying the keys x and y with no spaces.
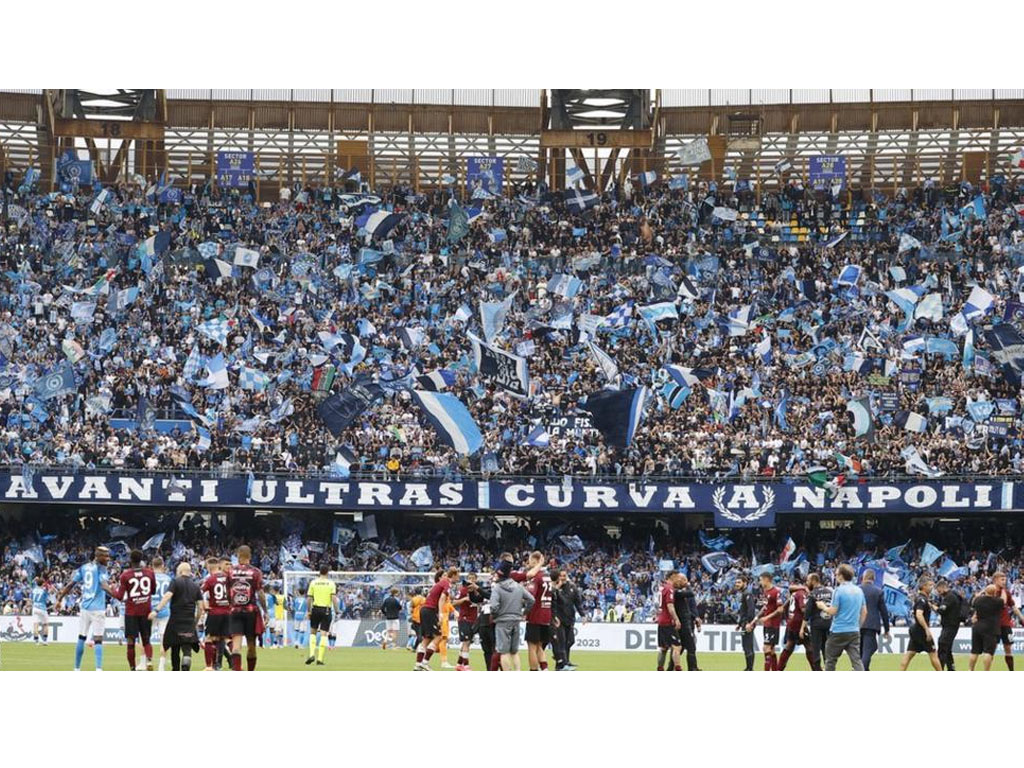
{"x":771,"y":635}
{"x":467,"y":631}
{"x":243,"y":623}
{"x":983,"y":642}
{"x":920,"y":644}
{"x":430,"y":627}
{"x":1006,"y":635}
{"x":668,"y":636}
{"x":181,"y":635}
{"x":320,"y":618}
{"x":539,"y":634}
{"x":218,"y":625}
{"x":136,"y":626}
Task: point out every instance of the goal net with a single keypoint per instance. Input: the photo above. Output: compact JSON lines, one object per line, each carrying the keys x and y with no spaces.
{"x":360,"y":593}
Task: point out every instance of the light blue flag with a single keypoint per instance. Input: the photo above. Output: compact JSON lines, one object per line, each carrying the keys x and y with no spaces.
{"x":968,"y":357}
{"x":896,"y":553}
{"x":930,"y":554}
{"x":451,"y":420}
{"x":980,"y":410}
{"x":929,"y":308}
{"x":896,"y":602}
{"x":945,"y":347}
{"x":850,"y":275}
{"x":539,"y":437}
{"x":423,"y":557}
{"x":975,"y":208}
{"x":204,"y":440}
{"x":492,"y":316}
{"x":665,"y":310}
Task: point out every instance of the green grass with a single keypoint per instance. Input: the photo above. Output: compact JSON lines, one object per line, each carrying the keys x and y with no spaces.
{"x":54,"y":657}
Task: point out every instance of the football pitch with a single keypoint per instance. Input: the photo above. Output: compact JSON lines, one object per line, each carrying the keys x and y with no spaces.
{"x":60,"y":657}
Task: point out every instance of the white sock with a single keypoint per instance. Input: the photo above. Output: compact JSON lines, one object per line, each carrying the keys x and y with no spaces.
{"x":162,"y":660}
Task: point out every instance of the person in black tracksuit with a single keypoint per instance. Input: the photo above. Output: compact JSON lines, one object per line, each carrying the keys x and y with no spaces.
{"x":485,"y":627}
{"x":819,"y":623}
{"x":747,"y":614}
{"x":950,"y":610}
{"x":558,"y":611}
{"x":572,"y":603}
{"x":686,"y":609}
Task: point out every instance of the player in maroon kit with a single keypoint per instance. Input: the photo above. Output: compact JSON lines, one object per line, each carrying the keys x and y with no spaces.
{"x":430,"y":612}
{"x":1006,"y":619}
{"x":771,"y":618}
{"x":467,"y":603}
{"x":135,"y":589}
{"x":794,"y":624}
{"x":669,"y":623}
{"x":538,"y":620}
{"x":248,"y":604}
{"x":218,"y":611}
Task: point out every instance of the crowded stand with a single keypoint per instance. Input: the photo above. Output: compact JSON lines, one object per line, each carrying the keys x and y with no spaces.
{"x":618,"y":572}
{"x":150,"y":327}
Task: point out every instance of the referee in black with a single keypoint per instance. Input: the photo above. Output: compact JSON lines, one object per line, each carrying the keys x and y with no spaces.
{"x":747,"y":614}
{"x":323,"y":597}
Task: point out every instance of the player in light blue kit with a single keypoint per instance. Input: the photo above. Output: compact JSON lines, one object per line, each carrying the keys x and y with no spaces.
{"x":92,"y":607}
{"x":300,"y":617}
{"x":163,"y":581}
{"x":40,"y":604}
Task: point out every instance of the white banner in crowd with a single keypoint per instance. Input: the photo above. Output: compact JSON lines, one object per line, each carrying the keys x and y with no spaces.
{"x":593,"y":636}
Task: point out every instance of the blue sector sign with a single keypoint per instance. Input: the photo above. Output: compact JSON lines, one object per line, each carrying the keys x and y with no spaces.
{"x":486,"y":173}
{"x":235,"y":169}
{"x":827,"y":171}
{"x":733,"y":504}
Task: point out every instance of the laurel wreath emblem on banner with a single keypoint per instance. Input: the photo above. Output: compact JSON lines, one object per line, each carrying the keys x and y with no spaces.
{"x":718,"y":499}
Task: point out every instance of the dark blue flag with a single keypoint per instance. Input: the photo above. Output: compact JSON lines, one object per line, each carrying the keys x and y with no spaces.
{"x":342,"y":408}
{"x":1007,"y":347}
{"x":617,"y":413}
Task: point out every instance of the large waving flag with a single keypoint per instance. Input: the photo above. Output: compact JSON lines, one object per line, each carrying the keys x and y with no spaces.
{"x":1007,"y":347}
{"x":247,"y":257}
{"x":930,"y":554}
{"x":978,"y":303}
{"x":930,"y":308}
{"x":579,"y":200}
{"x":458,"y":223}
{"x":451,"y":419}
{"x":860,"y":408}
{"x":218,"y":378}
{"x":216,"y":329}
{"x":59,"y":381}
{"x":618,"y":413}
{"x":492,"y":316}
{"x":436,"y":381}
{"x":915,"y":465}
{"x":380,"y":223}
{"x":604,"y":362}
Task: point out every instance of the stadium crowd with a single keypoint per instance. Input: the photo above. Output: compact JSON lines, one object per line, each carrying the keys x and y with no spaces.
{"x":618,"y":572}
{"x":775,"y":326}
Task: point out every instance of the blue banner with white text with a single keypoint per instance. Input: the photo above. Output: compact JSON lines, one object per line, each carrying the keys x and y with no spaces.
{"x":235,"y":169}
{"x":734,"y":505}
{"x":827,"y":171}
{"x":484,"y":175}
